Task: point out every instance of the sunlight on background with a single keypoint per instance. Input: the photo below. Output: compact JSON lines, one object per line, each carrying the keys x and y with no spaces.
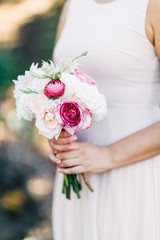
{"x":14,"y":16}
{"x":27,"y":34}
{"x":39,"y":187}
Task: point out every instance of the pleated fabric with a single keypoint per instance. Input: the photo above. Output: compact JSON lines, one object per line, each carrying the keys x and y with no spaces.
{"x":126,"y":201}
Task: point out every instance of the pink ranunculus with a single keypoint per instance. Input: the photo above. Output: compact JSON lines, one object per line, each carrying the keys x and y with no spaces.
{"x":84,"y":77}
{"x":54,"y":88}
{"x":72,"y":115}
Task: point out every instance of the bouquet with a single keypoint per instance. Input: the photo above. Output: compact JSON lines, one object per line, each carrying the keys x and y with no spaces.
{"x":59,"y":97}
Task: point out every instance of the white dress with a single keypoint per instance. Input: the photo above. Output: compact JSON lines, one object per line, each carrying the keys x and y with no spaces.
{"x":126,"y":201}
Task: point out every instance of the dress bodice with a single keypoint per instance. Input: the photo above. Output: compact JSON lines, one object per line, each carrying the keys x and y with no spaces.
{"x":121,"y":58}
{"x":119,"y":51}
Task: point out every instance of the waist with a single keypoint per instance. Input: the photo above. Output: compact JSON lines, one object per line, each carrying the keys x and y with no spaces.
{"x":136,"y":97}
{"x":133,"y":106}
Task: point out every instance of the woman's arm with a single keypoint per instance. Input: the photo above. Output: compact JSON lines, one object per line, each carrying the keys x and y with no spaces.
{"x":137,"y":147}
{"x":154,"y":20}
{"x":86,"y":157}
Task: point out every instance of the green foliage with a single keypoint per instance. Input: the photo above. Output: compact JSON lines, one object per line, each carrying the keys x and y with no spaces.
{"x":36,"y":43}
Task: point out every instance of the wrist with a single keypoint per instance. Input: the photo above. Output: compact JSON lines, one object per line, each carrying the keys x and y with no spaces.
{"x":113,"y":161}
{"x":108,"y":162}
{"x":118,"y":158}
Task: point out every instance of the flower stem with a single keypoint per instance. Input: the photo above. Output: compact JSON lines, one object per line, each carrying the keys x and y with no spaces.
{"x":69,"y":187}
{"x":75,"y":185}
{"x":66,"y":189}
{"x":83,"y":54}
{"x":80,"y":182}
{"x":49,"y":77}
{"x":66,"y":180}
{"x":86,"y":182}
{"x":71,"y":180}
{"x":63,"y":186}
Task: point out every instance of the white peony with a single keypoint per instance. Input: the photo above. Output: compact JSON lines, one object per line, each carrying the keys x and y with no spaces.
{"x":46,"y":122}
{"x":93,"y":99}
{"x":28,"y":105}
{"x":38,"y":85}
{"x":71,"y":84}
{"x":23,"y":111}
{"x":23,"y":81}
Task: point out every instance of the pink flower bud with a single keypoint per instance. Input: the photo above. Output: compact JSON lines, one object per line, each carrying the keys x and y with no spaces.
{"x":54,"y":88}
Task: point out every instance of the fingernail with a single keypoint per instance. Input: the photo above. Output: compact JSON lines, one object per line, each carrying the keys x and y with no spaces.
{"x":74,"y":137}
{"x":70,"y":147}
{"x":59,"y":170}
{"x":55,"y":152}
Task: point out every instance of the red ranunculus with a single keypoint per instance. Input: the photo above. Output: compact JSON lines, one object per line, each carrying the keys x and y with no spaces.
{"x":54,"y":88}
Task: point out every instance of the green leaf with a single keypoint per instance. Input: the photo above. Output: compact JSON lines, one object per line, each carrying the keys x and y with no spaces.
{"x":27,"y":91}
{"x":39,"y":75}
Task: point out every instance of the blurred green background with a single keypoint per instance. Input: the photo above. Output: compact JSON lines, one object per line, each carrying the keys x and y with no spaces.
{"x":27,"y":34}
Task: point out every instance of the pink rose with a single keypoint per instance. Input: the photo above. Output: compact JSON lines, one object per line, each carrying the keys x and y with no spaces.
{"x":54,"y":88}
{"x":84,"y":77}
{"x":45,"y":120}
{"x":73,"y":115}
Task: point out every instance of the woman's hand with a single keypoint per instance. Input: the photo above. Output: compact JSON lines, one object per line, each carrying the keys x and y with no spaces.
{"x":79,"y":157}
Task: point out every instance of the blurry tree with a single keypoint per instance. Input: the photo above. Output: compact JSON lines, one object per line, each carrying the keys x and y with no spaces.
{"x":36,"y":43}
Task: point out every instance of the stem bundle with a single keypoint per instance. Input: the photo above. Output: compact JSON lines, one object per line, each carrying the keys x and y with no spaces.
{"x":74,"y":181}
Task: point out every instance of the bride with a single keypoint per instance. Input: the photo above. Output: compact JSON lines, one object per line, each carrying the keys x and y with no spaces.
{"x":121,"y":154}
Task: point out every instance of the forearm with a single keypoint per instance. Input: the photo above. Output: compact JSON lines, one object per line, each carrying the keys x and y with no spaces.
{"x":136,"y":147}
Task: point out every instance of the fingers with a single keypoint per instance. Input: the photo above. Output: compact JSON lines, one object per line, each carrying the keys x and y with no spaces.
{"x":66,"y":140}
{"x":54,"y":158}
{"x":69,"y":163}
{"x":67,"y":155}
{"x":64,"y":134}
{"x":62,"y":141}
{"x":65,"y":148}
{"x":73,"y":170}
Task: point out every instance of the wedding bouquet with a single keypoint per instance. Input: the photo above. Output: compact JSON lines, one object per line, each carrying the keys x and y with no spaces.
{"x":59,"y":97}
